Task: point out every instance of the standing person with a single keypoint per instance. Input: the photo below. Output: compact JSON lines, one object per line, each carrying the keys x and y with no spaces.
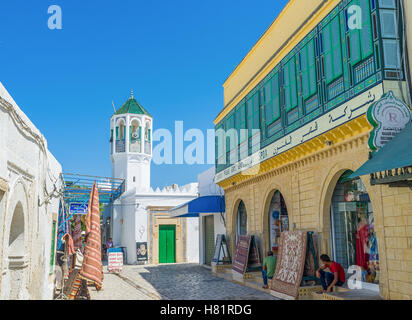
{"x":109,"y":243}
{"x":336,"y":276}
{"x":269,"y":266}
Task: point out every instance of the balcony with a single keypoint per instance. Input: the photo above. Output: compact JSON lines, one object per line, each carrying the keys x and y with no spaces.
{"x":120,"y":146}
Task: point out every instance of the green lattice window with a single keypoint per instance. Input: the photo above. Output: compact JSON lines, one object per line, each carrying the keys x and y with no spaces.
{"x":361,"y":40}
{"x":272,"y":103}
{"x":308,"y":68}
{"x":291,"y":99}
{"x":253,"y":113}
{"x":332,"y":50}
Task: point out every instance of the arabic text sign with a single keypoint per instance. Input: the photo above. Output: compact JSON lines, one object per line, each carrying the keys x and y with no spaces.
{"x":78,"y":208}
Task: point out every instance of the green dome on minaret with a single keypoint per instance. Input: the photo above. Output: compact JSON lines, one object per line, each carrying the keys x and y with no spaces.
{"x":132,"y":106}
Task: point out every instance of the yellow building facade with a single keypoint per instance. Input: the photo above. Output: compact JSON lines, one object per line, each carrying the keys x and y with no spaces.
{"x":322,"y":135}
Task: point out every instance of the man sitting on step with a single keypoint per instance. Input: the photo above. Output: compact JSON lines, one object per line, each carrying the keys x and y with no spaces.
{"x":336,"y":276}
{"x":269,"y":266}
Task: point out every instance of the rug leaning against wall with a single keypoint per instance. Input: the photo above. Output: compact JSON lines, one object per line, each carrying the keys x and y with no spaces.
{"x":291,"y":261}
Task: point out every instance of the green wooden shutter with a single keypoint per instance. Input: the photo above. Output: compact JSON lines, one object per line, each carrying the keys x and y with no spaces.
{"x":365,"y":32}
{"x":291,"y":100}
{"x":312,"y":67}
{"x":355,"y":46}
{"x":250,"y":115}
{"x":53,"y":247}
{"x":124,"y":132}
{"x":275,"y":97}
{"x":139,"y":135}
{"x":243,"y":136}
{"x":117,"y":133}
{"x":337,"y":47}
{"x":130,"y":133}
{"x":332,"y":50}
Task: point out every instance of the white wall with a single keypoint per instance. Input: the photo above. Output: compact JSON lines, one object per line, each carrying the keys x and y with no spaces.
{"x":29,"y":174}
{"x":192,"y":240}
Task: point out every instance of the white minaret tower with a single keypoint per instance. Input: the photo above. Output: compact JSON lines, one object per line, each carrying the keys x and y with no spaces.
{"x":131,"y":145}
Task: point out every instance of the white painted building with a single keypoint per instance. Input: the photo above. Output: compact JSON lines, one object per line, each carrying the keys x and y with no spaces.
{"x":29,"y":203}
{"x":127,"y":221}
{"x":209,"y":210}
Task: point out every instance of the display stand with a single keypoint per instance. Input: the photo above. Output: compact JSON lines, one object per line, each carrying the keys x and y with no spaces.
{"x":221,"y":253}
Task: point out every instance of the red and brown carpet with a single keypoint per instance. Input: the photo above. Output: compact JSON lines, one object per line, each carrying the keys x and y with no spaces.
{"x":291,"y":261}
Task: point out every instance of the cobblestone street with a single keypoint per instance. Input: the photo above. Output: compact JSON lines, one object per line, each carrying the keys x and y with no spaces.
{"x":172,"y":282}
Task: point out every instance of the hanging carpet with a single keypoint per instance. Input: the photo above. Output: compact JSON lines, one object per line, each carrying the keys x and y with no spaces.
{"x":291,"y":261}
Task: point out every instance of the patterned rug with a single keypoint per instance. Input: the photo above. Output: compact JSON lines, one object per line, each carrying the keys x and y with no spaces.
{"x":242,"y":254}
{"x":92,"y":262}
{"x":291,"y":261}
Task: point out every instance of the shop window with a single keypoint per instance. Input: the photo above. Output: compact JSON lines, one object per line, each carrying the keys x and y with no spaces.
{"x":354,"y":241}
{"x":241,"y":224}
{"x":278,"y":220}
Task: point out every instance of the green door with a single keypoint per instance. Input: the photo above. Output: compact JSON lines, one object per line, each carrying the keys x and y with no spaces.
{"x":167,"y":240}
{"x":209,"y":239}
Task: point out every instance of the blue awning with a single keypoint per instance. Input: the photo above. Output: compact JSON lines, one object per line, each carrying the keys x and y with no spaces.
{"x":207,"y":204}
{"x":397,"y":153}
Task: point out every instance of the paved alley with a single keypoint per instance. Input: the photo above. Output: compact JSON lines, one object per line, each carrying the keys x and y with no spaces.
{"x":172,"y":282}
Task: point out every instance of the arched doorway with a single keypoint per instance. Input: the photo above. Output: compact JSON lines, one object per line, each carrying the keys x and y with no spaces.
{"x":353,"y":237}
{"x":16,"y":252}
{"x":241,"y":220}
{"x":278,"y":220}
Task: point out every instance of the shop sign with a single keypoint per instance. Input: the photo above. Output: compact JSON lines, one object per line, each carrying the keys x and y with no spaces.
{"x":388,"y":116}
{"x":115,"y":260}
{"x":141,"y":248}
{"x":78,"y":208}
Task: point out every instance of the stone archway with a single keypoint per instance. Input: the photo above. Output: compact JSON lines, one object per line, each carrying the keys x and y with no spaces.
{"x":14,"y":283}
{"x":270,"y":194}
{"x":16,"y":252}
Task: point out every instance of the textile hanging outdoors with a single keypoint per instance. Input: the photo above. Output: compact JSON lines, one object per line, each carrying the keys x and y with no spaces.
{"x":291,"y":261}
{"x":92,"y":263}
{"x":62,"y":228}
{"x":77,"y":234}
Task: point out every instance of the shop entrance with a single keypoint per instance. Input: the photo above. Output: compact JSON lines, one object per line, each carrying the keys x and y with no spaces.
{"x":278,"y":220}
{"x":209,"y":239}
{"x":167,"y":243}
{"x":354,"y":241}
{"x":241,"y":222}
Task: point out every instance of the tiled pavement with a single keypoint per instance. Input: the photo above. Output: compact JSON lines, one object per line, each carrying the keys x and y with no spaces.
{"x":173,"y":282}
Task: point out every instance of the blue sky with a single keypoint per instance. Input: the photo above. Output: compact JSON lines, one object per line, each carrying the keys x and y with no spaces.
{"x":175,"y":55}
